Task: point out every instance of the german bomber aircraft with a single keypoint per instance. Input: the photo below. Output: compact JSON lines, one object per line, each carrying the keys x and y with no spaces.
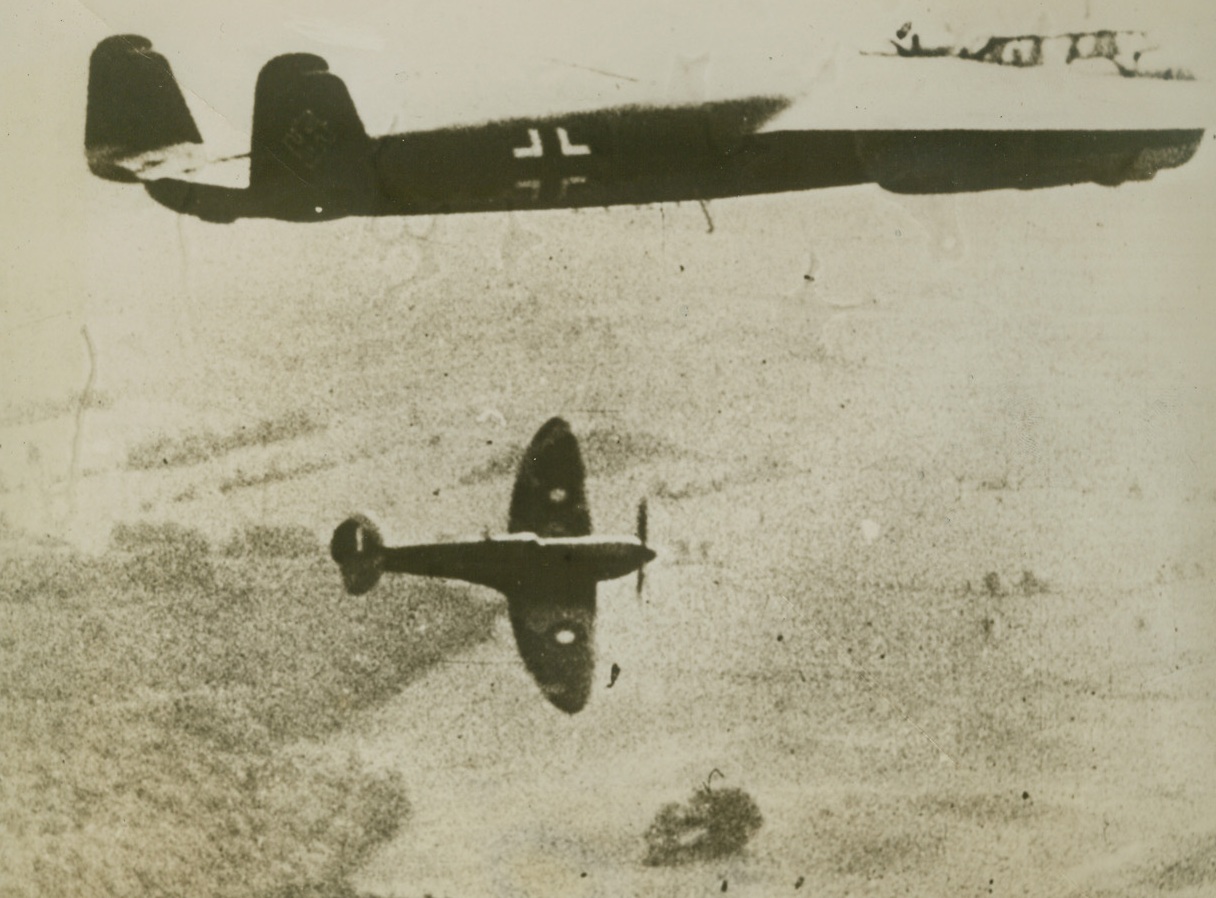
{"x":311,"y":159}
{"x":547,"y":565}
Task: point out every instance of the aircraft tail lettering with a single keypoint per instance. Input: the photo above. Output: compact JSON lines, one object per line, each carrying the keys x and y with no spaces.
{"x":135,"y":106}
{"x":359,"y":551}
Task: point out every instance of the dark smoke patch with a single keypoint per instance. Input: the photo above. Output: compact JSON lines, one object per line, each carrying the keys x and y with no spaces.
{"x":712,"y":824}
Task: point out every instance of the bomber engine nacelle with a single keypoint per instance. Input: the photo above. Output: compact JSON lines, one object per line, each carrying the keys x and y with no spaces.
{"x":359,"y":551}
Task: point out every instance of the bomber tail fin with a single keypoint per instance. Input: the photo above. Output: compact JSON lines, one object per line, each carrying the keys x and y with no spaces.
{"x":308,"y":143}
{"x":134,"y":107}
{"x":359,"y":551}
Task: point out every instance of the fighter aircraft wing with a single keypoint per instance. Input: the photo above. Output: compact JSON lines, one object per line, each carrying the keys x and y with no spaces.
{"x":553,"y":616}
{"x":554,"y":627}
{"x":549,"y":498}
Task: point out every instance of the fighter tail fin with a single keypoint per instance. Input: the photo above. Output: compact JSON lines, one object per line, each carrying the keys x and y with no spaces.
{"x":134,"y":106}
{"x":308,"y":141}
{"x":359,"y":551}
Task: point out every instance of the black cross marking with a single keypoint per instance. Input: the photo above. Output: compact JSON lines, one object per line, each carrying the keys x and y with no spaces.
{"x":550,"y":174}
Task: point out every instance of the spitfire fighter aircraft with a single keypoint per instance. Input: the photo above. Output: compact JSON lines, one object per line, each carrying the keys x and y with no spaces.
{"x":311,"y":159}
{"x":547,"y":565}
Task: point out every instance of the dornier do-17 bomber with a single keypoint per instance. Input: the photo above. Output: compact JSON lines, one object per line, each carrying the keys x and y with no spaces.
{"x":311,"y":158}
{"x":548,"y":564}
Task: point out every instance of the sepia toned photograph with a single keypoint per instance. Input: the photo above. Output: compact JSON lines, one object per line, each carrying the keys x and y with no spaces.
{"x":608,"y":449}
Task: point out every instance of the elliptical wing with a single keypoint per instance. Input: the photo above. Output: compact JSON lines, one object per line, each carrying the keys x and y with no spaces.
{"x":550,"y":498}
